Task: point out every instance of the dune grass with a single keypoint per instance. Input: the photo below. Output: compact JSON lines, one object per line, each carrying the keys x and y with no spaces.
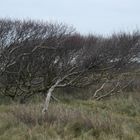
{"x":113,"y":119}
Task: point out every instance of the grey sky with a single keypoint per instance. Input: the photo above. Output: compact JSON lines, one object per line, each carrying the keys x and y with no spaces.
{"x":88,"y":16}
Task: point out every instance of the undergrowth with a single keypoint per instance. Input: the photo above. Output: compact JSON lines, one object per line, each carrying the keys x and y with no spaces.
{"x":113,"y":119}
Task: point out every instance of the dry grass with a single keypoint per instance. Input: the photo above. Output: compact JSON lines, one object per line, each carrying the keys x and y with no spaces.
{"x":116,"y":119}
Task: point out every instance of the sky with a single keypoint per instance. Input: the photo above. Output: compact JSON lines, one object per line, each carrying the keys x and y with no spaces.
{"x":87,"y":16}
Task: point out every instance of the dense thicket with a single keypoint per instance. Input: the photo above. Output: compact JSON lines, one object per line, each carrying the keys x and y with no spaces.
{"x":37,"y":57}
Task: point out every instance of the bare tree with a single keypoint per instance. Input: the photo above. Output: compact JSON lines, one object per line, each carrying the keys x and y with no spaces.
{"x":38,"y":57}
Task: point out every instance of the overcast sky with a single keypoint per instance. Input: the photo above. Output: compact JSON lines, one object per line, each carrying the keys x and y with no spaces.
{"x":88,"y":16}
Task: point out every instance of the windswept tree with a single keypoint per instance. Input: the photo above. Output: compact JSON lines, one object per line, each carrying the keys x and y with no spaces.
{"x":38,"y":57}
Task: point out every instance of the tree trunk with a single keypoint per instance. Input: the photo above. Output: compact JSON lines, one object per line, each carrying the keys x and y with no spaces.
{"x":48,"y":97}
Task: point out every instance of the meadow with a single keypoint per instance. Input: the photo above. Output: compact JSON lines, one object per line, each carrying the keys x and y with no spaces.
{"x":117,"y":118}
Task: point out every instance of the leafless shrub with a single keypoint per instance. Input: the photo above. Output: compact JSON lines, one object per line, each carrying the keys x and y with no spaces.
{"x":38,"y":57}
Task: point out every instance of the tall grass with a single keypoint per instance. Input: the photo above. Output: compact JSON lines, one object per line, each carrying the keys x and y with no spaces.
{"x":114,"y":119}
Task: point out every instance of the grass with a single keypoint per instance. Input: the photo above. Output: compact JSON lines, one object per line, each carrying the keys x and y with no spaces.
{"x":113,"y":119}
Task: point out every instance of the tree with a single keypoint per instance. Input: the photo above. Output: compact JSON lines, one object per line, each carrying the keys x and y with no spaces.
{"x":27,"y":51}
{"x":38,"y":57}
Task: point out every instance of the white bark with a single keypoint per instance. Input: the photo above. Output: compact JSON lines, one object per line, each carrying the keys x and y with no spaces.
{"x":48,"y":97}
{"x":57,"y":84}
{"x":98,"y":90}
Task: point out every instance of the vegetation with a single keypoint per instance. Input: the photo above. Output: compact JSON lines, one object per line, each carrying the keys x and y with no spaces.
{"x":114,"y":119}
{"x":92,"y":81}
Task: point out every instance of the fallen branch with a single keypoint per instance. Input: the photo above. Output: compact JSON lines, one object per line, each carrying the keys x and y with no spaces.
{"x":98,"y":90}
